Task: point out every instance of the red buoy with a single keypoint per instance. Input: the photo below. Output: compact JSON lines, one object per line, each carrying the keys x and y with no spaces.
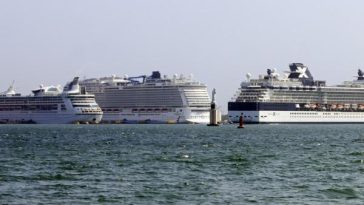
{"x":241,"y":124}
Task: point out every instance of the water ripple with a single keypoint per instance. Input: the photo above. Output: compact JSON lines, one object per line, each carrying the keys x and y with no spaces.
{"x":181,"y":164}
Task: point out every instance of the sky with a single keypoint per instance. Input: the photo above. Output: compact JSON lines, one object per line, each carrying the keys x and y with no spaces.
{"x":50,"y":42}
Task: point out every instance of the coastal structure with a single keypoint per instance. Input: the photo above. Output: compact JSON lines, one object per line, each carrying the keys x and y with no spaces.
{"x":215,"y":114}
{"x":50,"y":105}
{"x":297,"y":98}
{"x":150,"y":99}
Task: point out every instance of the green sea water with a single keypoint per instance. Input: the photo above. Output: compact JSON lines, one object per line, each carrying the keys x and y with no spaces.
{"x":181,"y":164}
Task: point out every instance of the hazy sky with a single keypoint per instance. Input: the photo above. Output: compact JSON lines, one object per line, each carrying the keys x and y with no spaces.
{"x":219,"y":41}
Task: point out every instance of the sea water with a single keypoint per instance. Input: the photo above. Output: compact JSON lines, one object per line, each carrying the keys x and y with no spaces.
{"x":181,"y":164}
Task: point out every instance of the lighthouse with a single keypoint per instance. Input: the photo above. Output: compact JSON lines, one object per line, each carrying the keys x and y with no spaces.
{"x":213,"y":111}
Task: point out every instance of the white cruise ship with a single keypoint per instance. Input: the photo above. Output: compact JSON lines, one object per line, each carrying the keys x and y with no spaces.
{"x":50,"y":105}
{"x":152,"y":99}
{"x":297,"y":98}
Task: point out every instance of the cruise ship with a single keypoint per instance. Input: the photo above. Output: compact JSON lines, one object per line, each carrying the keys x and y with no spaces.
{"x":50,"y":105}
{"x":297,"y":98}
{"x":150,"y":99}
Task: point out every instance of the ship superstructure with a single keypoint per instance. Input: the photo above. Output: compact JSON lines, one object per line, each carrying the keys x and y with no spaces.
{"x":150,"y":99}
{"x":297,"y":97}
{"x":50,"y":105}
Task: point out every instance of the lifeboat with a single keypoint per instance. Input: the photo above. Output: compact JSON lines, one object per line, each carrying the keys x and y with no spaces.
{"x":361,"y":107}
{"x":171,"y":122}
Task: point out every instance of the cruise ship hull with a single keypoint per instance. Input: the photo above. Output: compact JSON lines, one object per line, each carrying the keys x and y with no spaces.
{"x":48,"y":117}
{"x":287,"y":113}
{"x":297,"y":98}
{"x":150,"y":99}
{"x":297,"y":117}
{"x":50,"y":105}
{"x":180,"y":116}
